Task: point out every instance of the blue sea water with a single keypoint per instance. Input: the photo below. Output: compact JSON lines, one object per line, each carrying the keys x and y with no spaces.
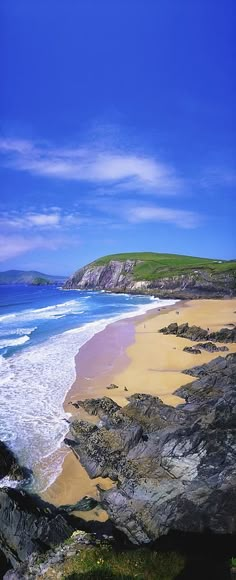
{"x":41,"y":331}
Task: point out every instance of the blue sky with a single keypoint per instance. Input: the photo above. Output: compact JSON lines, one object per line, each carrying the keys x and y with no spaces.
{"x":117,"y":130}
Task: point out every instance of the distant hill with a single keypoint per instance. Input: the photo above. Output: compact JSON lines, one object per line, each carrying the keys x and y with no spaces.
{"x":166,"y":275}
{"x":30,"y":277}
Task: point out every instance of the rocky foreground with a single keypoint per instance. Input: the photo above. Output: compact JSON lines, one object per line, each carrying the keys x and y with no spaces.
{"x":174,"y":468}
{"x":28,"y":525}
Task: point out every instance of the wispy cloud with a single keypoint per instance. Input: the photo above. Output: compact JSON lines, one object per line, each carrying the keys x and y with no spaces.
{"x":181,"y":218}
{"x":49,"y":219}
{"x":120,"y":168}
{"x":15,"y":245}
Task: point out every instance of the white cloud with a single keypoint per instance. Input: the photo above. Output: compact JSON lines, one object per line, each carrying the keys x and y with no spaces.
{"x":51,"y":221}
{"x":181,"y":218}
{"x":21,"y":146}
{"x":12,"y":246}
{"x":28,"y":220}
{"x":43,"y":220}
{"x":116,"y":168}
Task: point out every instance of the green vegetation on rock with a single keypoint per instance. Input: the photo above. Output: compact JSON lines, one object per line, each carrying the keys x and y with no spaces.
{"x":107,"y":563}
{"x":40,"y":281}
{"x":152,"y":265}
{"x":29,"y":277}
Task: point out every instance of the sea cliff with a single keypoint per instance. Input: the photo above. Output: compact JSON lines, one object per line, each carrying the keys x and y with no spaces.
{"x":164,"y":275}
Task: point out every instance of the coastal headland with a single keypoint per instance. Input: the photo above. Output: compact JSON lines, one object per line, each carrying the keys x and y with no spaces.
{"x":128,"y":357}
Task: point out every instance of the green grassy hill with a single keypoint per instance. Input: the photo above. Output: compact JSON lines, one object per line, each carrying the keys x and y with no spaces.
{"x":152,"y":266}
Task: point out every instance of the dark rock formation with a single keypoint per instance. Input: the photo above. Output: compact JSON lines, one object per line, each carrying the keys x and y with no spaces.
{"x":191,"y":350}
{"x":103,"y":408}
{"x":223,"y":335}
{"x":48,"y":564}
{"x":9,"y":465}
{"x":29,"y":525}
{"x":118,"y":276}
{"x":175,"y":467}
{"x":185,"y":331}
{"x":211,"y":347}
{"x":208,"y":346}
{"x":83,"y":505}
{"x":196,"y":333}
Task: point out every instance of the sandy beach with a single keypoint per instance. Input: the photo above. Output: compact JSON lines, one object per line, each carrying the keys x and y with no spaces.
{"x":133,"y":355}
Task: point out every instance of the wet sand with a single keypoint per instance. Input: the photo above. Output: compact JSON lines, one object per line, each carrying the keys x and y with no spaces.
{"x":132,"y":353}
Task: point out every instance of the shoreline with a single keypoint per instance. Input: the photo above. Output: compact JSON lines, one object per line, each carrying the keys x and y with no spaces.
{"x":133,"y":354}
{"x":95,"y":368}
{"x":117,"y":336}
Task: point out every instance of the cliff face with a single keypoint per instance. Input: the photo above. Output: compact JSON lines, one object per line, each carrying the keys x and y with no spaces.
{"x":118,"y":276}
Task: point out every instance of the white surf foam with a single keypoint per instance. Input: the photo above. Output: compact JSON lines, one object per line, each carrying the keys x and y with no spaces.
{"x":34,"y":383}
{"x":18,"y":331}
{"x":5,"y":342}
{"x":54,"y":311}
{"x":8,"y":482}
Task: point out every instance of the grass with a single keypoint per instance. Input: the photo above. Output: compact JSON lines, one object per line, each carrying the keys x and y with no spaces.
{"x":152,"y":266}
{"x":105,"y":563}
{"x":233,"y":562}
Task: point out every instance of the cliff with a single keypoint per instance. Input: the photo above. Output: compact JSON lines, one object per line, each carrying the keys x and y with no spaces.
{"x":164,"y":275}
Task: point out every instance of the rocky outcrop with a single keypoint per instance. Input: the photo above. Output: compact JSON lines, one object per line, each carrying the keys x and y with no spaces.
{"x":175,"y":467}
{"x":211,"y":347}
{"x":31,"y":528}
{"x":119,"y":276}
{"x":191,"y":350}
{"x":48,"y":565}
{"x":196,"y":333}
{"x":27,"y":525}
{"x":207,"y":346}
{"x":9,"y":465}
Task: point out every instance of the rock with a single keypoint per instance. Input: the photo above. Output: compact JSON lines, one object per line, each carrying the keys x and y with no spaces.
{"x":9,"y":465}
{"x":100,"y":407}
{"x":119,"y":276}
{"x":196,"y":333}
{"x":211,"y":347}
{"x":27,"y":525}
{"x":112,"y":386}
{"x":113,"y":445}
{"x":83,"y":505}
{"x":192,"y":350}
{"x":224,"y":335}
{"x":171,"y":329}
{"x":14,"y":575}
{"x":48,"y":565}
{"x":174,"y":467}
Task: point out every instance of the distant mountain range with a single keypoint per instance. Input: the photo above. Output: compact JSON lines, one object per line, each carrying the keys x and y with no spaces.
{"x":31,"y":277}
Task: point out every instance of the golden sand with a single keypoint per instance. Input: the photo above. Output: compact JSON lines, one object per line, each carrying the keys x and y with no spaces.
{"x":152,"y":363}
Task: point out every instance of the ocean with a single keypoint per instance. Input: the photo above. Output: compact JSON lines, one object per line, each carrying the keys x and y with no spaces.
{"x":42,"y":328}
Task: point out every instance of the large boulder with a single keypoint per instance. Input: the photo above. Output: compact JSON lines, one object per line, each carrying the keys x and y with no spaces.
{"x":175,"y":467}
{"x":27,"y":525}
